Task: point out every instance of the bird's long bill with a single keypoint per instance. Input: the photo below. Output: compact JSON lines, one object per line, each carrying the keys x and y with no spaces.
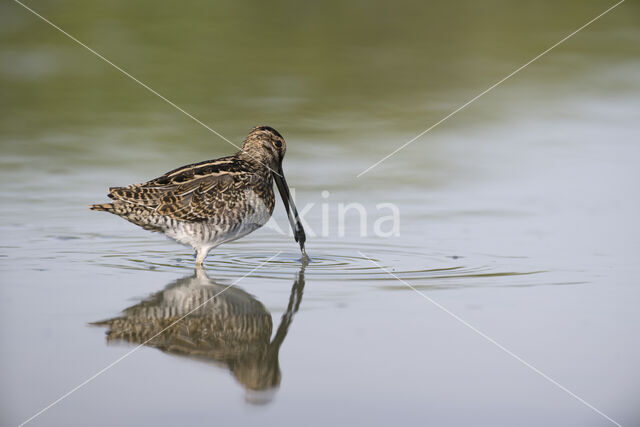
{"x":296,"y":226}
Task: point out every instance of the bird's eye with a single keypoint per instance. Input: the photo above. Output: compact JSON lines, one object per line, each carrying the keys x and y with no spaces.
{"x":278,"y":144}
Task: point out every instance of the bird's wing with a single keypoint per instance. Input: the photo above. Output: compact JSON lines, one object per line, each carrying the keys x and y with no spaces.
{"x":191,"y":193}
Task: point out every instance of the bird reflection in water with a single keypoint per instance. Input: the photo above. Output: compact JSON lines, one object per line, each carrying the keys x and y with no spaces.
{"x":232,"y":330}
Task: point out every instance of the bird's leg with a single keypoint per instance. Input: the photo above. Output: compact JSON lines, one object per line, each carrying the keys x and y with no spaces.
{"x":201,"y":274}
{"x":201,"y":254}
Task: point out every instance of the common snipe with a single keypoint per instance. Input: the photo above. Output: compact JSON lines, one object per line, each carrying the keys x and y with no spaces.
{"x":212,"y":202}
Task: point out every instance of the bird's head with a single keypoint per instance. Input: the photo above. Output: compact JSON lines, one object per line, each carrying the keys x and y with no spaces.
{"x":266,"y":145}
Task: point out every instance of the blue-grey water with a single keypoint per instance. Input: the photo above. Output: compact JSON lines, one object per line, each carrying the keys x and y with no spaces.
{"x":517,"y":216}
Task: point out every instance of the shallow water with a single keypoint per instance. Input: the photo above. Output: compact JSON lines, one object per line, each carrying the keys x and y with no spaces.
{"x":518,"y":216}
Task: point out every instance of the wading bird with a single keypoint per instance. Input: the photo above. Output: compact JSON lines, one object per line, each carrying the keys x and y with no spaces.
{"x":209,"y":203}
{"x":199,"y":318}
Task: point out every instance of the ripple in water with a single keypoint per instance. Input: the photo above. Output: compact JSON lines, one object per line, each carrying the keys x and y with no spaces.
{"x":333,"y":262}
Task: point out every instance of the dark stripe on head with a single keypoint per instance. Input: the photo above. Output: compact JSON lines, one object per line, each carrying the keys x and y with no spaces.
{"x":269,"y":129}
{"x":269,"y":146}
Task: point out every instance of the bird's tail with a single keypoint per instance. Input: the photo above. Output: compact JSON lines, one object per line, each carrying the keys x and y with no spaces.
{"x":107,"y":207}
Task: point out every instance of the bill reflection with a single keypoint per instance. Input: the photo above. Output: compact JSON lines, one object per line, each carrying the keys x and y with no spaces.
{"x":233,"y":330}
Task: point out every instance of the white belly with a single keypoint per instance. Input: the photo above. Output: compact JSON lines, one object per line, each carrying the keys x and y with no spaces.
{"x":211,"y":233}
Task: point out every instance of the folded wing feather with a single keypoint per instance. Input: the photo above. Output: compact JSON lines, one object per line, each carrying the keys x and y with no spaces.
{"x":192,"y":200}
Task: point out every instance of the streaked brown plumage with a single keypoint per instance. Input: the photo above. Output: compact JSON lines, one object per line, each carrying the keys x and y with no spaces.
{"x":199,"y":318}
{"x":212,"y":202}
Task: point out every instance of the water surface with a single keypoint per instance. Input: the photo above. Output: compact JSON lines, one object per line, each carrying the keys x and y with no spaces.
{"x":519,"y":215}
